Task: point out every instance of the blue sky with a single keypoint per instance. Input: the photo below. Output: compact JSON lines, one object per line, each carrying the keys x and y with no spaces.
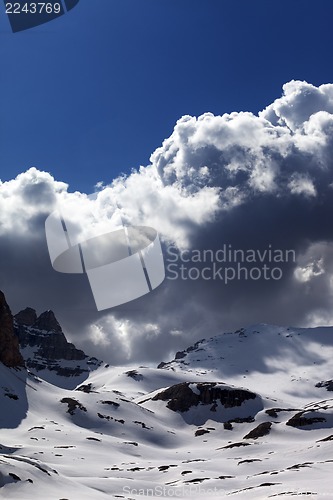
{"x":93,"y":93}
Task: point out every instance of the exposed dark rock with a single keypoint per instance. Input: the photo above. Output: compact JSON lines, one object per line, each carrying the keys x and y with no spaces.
{"x":201,"y":432}
{"x":106,"y":417}
{"x":328,"y":438}
{"x":143,"y":425}
{"x":67,"y":371}
{"x":73,"y":404}
{"x":299,"y":420}
{"x":300,"y":466}
{"x":112,"y":403}
{"x":51,"y":345}
{"x":195,"y":346}
{"x":85,"y":388}
{"x":233,"y":445}
{"x":242,"y":420}
{"x":11,"y":396}
{"x":134,"y":374}
{"x":9,"y":346}
{"x":181,"y":397}
{"x":48,"y":322}
{"x":259,"y":431}
{"x":65,"y":446}
{"x":238,"y":420}
{"x":273,"y":412}
{"x":267,"y":484}
{"x":27,"y":316}
{"x":162,"y":468}
{"x":197,"y":480}
{"x":328,"y":385}
{"x":14,"y":476}
{"x":182,"y":354}
{"x":249,"y":461}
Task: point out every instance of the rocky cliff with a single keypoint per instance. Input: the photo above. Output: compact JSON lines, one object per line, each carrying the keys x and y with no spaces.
{"x":46,"y":334}
{"x":9,"y":346}
{"x":46,"y":349}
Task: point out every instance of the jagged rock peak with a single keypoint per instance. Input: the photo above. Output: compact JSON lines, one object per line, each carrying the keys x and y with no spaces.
{"x":27,"y":317}
{"x":9,"y":346}
{"x":47,"y":321}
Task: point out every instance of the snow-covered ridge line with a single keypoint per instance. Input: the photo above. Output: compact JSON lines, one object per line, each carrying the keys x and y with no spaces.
{"x":247,"y":412}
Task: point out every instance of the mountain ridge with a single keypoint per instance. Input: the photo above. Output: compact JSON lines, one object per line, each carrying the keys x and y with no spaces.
{"x":47,"y":352}
{"x":246,"y":412}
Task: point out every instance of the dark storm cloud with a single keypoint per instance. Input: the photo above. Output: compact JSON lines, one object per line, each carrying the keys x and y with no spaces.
{"x":240,"y":181}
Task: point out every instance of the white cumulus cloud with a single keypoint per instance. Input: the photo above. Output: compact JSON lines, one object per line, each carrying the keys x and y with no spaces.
{"x":239,"y":179}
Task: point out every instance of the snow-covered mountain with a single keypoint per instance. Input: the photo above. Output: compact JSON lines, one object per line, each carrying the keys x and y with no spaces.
{"x":247,"y":413}
{"x":47,"y":352}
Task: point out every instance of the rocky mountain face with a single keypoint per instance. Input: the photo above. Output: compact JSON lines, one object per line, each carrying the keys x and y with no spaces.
{"x":39,"y":343}
{"x":9,"y":346}
{"x":46,"y":334}
{"x":46,"y":349}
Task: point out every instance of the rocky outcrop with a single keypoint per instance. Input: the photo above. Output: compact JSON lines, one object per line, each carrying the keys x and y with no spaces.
{"x":45,"y":347}
{"x":26,"y":317}
{"x":261,"y":430}
{"x":301,"y":419}
{"x":48,"y":322}
{"x":9,"y":346}
{"x":274,"y":412}
{"x":328,"y":384}
{"x":182,"y":354}
{"x":73,"y":404}
{"x":181,"y":397}
{"x":46,"y":334}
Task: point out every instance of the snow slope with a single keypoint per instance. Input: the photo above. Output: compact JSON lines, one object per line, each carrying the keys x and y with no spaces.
{"x":256,"y":424}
